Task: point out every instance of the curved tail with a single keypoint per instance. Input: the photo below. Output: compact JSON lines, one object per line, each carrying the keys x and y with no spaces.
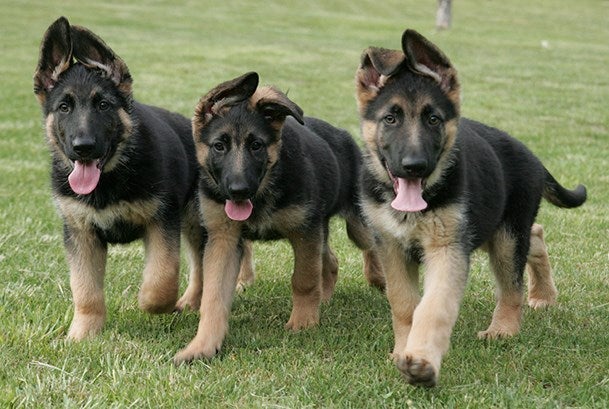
{"x":556,"y":194}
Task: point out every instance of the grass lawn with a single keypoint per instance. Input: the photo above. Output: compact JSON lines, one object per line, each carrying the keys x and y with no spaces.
{"x":538,"y":70}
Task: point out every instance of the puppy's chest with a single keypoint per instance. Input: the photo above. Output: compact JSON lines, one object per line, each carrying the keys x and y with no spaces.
{"x":273,"y":224}
{"x":123,"y":221}
{"x":420,"y":230}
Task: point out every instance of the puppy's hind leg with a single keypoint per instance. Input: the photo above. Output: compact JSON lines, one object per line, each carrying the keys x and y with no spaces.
{"x":508,"y":257}
{"x":363,"y":238}
{"x":246,"y":271}
{"x":542,"y":291}
{"x":329,"y":272}
{"x":306,"y":279}
{"x":159,"y":290}
{"x":195,"y":237}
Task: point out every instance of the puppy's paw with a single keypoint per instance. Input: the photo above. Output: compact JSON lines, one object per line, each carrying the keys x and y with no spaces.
{"x":242,"y":286}
{"x":541,"y":303}
{"x":496,"y":333}
{"x":156,"y":305}
{"x":86,"y":326}
{"x":191,"y":300}
{"x":196,"y":350}
{"x":416,"y":370}
{"x":298,"y":322}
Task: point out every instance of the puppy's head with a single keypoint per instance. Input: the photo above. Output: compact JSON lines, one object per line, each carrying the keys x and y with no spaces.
{"x":409,"y":107}
{"x":84,"y":91}
{"x":237,"y":133}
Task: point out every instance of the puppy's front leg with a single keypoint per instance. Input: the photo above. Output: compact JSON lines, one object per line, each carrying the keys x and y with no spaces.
{"x":220,"y":270}
{"x":87,"y":259}
{"x":402,"y":277}
{"x":306,"y":280}
{"x":435,"y":316}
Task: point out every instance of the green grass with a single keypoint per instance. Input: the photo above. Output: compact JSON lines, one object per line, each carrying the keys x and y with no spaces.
{"x":553,"y":98}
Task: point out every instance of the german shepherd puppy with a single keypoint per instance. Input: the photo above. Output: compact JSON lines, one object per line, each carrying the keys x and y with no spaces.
{"x":267,"y":177}
{"x":121,"y":171}
{"x":436,"y":187}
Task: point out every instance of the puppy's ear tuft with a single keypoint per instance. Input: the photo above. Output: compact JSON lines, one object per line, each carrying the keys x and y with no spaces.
{"x":92,"y":51}
{"x":376,"y":66}
{"x":225,"y":95}
{"x":427,"y":59}
{"x":55,"y":57}
{"x":275,"y":106}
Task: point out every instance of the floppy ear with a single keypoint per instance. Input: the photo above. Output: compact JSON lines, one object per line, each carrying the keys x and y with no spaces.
{"x":275,"y":106}
{"x":224,"y":96}
{"x":426,"y":59}
{"x":376,"y":65}
{"x":92,"y":51}
{"x":55,"y":57}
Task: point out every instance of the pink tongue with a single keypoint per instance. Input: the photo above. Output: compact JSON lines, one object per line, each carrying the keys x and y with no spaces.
{"x":238,"y":211}
{"x":409,"y":195}
{"x":84,"y":177}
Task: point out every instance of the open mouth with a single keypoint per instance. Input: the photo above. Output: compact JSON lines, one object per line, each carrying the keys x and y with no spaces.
{"x":86,"y":172}
{"x":408,"y":193}
{"x":85,"y":176}
{"x":238,"y":210}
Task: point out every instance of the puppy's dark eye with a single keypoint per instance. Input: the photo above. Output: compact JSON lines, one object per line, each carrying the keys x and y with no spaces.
{"x":256,"y":146}
{"x":218,"y":147}
{"x":64,"y":108}
{"x":433,"y":120}
{"x":389,"y":119}
{"x":103,"y":105}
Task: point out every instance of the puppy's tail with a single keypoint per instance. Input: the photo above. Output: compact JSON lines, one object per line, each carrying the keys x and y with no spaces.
{"x":556,"y":194}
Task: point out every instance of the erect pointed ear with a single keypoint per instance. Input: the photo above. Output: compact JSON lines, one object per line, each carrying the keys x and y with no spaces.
{"x":426,"y":59}
{"x":92,"y":51}
{"x":376,"y":65}
{"x":275,"y":106}
{"x":55,"y":57}
{"x":222,"y":97}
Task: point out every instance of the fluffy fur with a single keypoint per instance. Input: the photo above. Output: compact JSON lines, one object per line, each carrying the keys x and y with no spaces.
{"x":436,"y":187}
{"x":121,"y":171}
{"x":268,"y":173}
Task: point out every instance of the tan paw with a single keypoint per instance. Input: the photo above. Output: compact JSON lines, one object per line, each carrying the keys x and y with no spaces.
{"x":191,"y":300}
{"x":417,"y":371}
{"x":85,"y":326}
{"x":242,"y":286}
{"x":157,"y":302}
{"x":300,"y":321}
{"x":196,"y":350}
{"x":496,"y":333}
{"x":541,"y":303}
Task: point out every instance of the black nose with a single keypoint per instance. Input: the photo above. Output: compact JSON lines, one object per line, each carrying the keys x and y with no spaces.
{"x":84,"y":147}
{"x":414,"y":166}
{"x":239,"y":190}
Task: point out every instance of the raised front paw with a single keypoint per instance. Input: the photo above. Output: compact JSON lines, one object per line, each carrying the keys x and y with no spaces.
{"x":417,"y":370}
